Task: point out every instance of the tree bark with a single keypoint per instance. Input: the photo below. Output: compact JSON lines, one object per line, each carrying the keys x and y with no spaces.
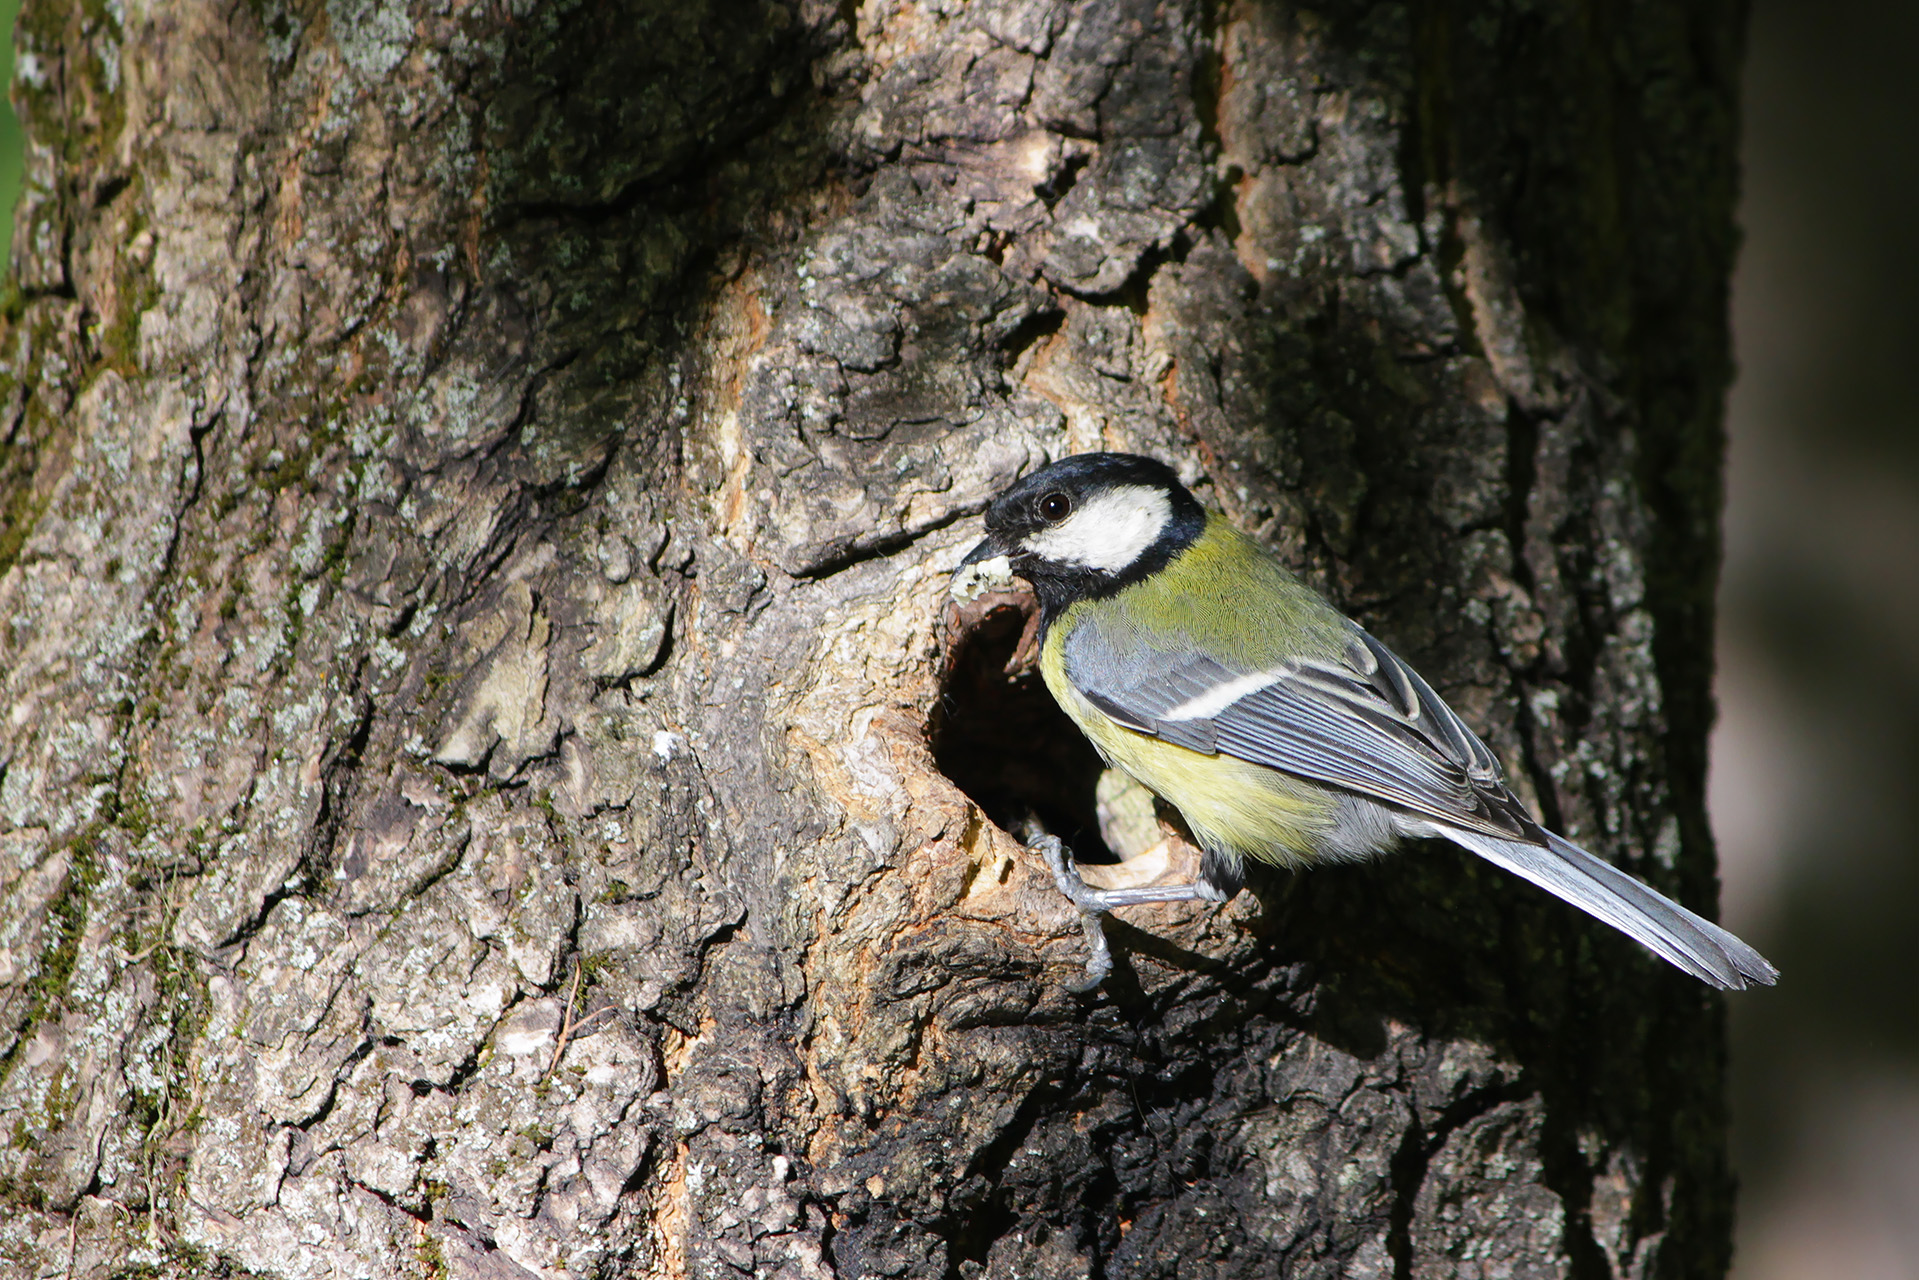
{"x":492,"y":784}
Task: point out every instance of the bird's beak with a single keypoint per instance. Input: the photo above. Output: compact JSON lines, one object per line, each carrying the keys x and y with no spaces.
{"x":988,"y":547}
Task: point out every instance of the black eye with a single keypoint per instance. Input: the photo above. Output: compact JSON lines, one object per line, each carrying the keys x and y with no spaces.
{"x":1055,"y":507}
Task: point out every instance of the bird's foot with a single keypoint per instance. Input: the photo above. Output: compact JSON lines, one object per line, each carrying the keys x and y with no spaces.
{"x":1099,"y":958}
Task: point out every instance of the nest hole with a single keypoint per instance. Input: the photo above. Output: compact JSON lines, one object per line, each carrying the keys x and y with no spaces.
{"x":999,"y":736}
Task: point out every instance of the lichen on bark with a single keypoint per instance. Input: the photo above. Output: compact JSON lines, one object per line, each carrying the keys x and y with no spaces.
{"x":485,"y":782}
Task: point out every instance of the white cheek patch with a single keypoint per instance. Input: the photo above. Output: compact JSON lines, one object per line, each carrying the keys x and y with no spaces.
{"x":1108,"y":533}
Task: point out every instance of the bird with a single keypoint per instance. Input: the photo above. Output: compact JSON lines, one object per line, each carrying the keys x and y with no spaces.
{"x":1281,"y":730}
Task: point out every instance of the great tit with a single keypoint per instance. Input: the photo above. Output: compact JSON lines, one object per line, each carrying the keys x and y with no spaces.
{"x":1277,"y":727}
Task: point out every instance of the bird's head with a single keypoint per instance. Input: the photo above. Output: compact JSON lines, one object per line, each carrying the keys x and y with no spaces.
{"x":1090,"y":525}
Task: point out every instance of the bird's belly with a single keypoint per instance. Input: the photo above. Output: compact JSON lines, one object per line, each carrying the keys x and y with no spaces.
{"x":1232,"y":804}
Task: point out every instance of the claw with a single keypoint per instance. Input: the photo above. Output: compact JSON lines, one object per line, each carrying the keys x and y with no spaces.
{"x":1066,"y":873}
{"x":1099,"y":957}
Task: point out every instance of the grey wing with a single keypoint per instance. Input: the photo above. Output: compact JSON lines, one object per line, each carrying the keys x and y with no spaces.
{"x":1368,"y":724}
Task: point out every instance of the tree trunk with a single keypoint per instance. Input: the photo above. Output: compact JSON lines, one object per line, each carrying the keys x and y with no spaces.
{"x":493,"y":784}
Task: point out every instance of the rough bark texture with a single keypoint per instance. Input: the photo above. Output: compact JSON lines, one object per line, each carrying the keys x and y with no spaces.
{"x":478,"y":485}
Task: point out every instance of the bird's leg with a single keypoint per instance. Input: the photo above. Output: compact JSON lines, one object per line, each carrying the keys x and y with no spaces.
{"x":1087,"y":898}
{"x":1094,"y":903}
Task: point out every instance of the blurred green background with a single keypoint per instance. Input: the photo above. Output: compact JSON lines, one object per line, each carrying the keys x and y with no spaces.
{"x":1815,"y":785}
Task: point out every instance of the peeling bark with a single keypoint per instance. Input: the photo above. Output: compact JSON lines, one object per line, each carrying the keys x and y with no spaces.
{"x":492,"y":785}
